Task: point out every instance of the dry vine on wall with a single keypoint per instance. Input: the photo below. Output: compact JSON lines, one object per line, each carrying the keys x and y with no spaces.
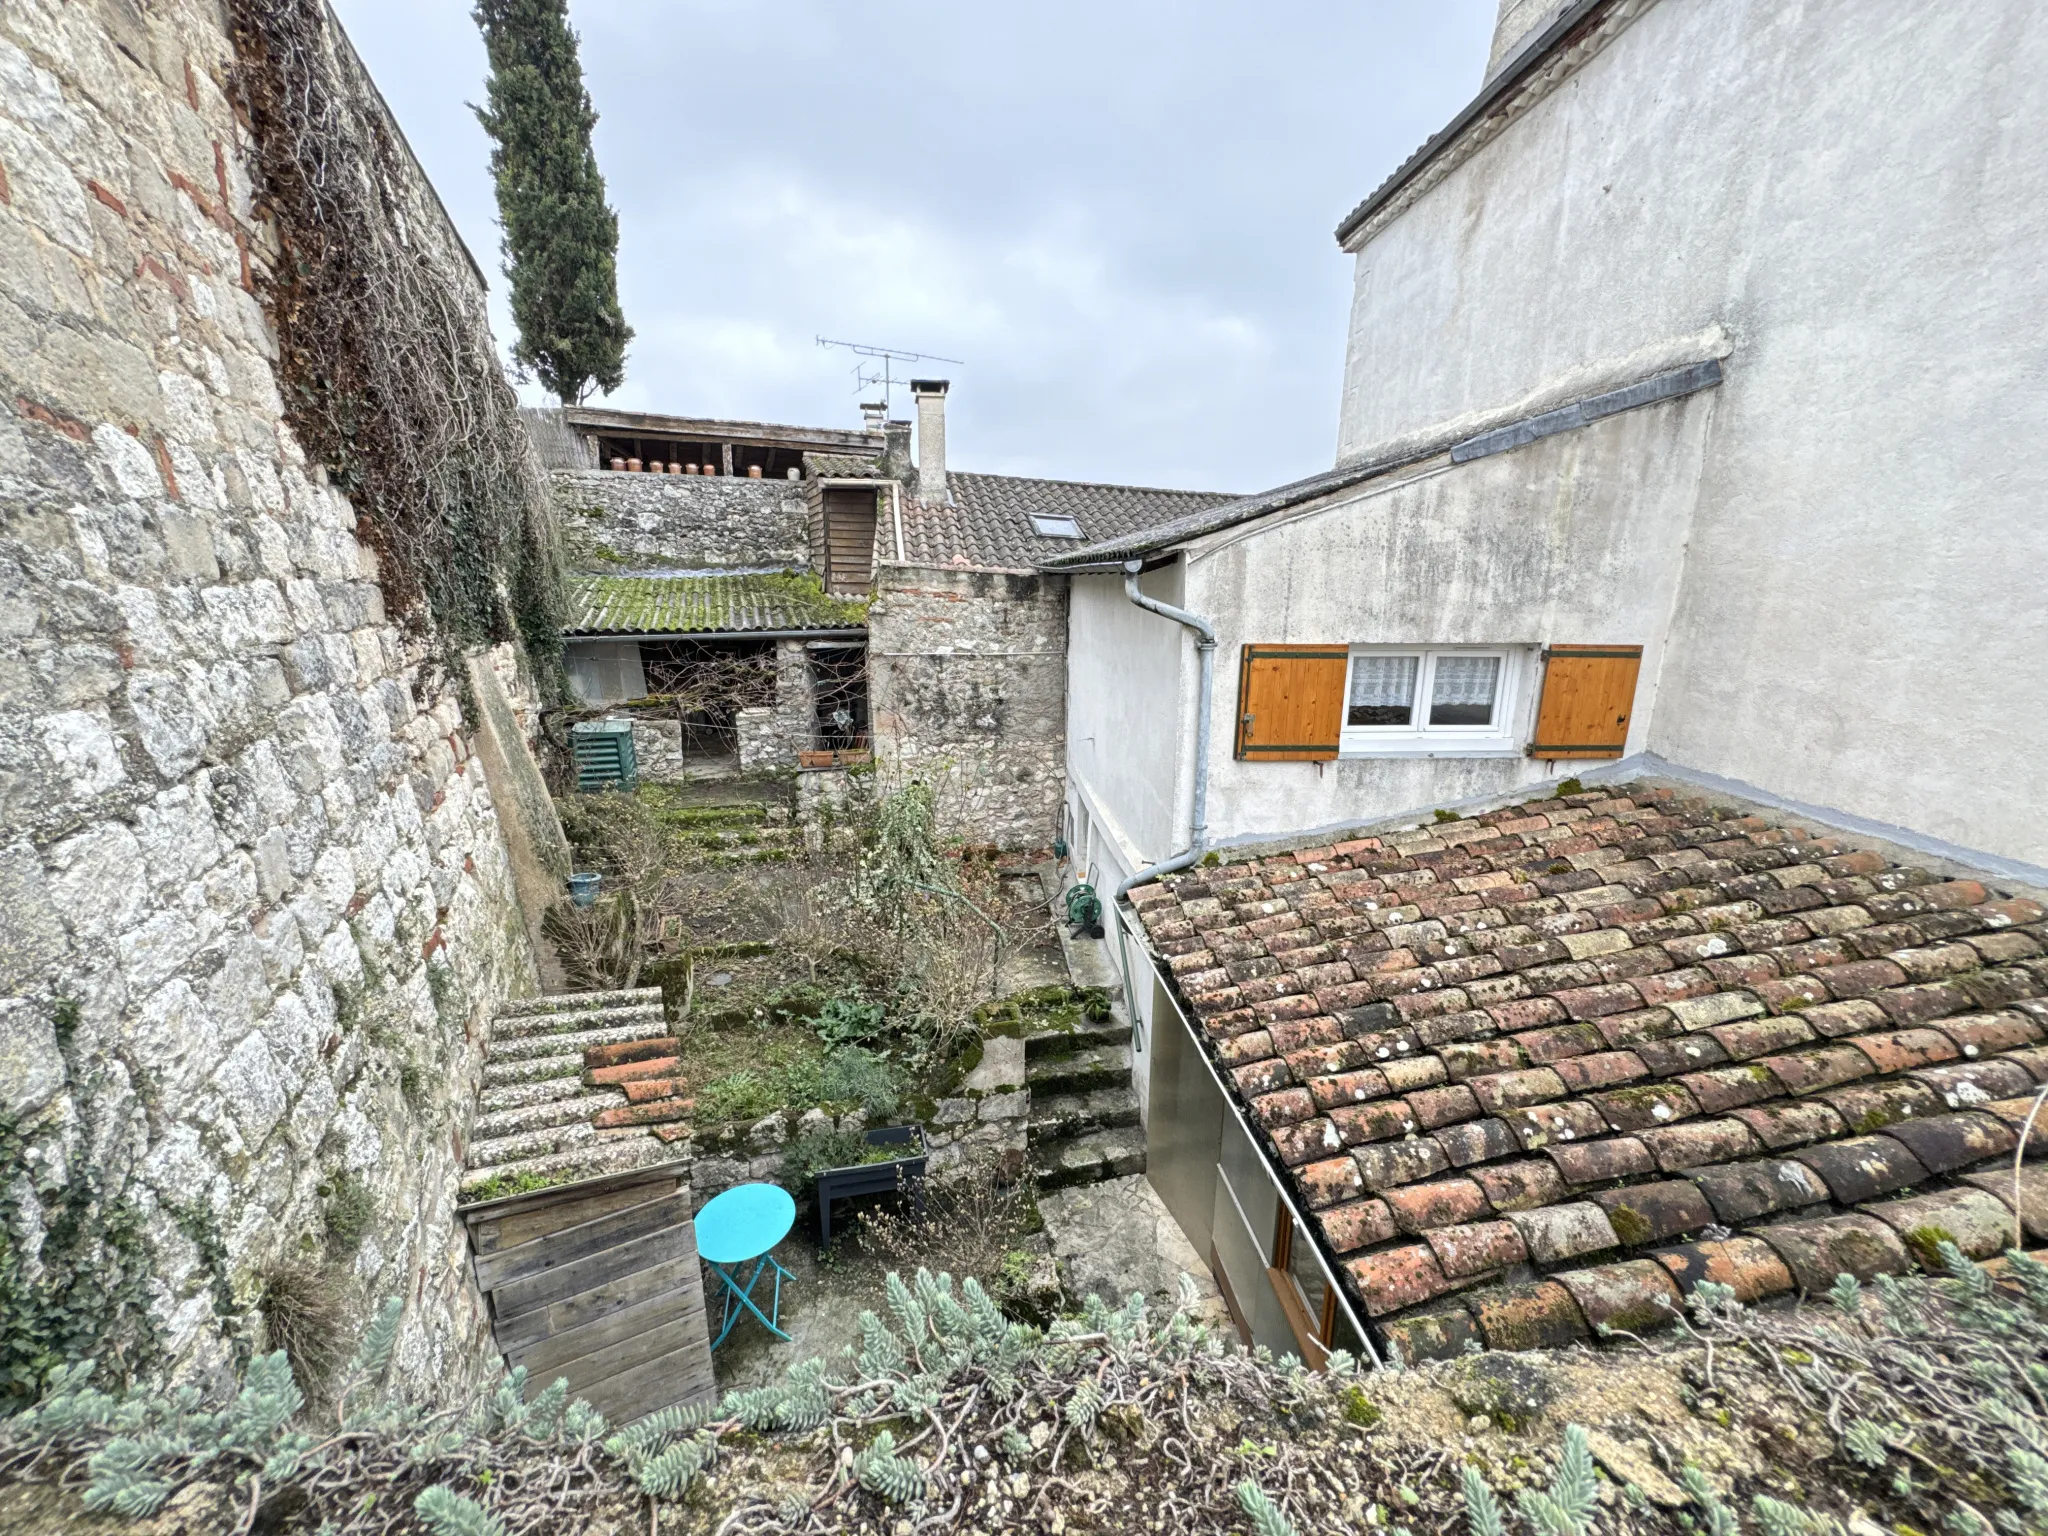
{"x":388,"y":371}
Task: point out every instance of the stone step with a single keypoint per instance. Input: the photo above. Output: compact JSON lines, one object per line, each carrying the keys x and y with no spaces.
{"x":1095,"y":1066}
{"x":533,"y":1070}
{"x":778,"y":853}
{"x":1052,"y":1042}
{"x":1061,"y":1116}
{"x":561,"y":1110}
{"x":1089,"y":1159}
{"x":735,"y":813}
{"x":526,"y":1025}
{"x":569,"y":1002}
{"x":602,"y":1155}
{"x":527,"y":1047}
{"x":527,"y":1145}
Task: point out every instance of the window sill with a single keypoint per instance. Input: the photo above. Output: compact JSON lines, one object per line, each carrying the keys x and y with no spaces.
{"x":1361,"y":754}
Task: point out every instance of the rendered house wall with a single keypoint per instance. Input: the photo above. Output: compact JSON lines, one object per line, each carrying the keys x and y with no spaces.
{"x":1851,"y":191}
{"x":1575,"y":539}
{"x":1130,"y":722}
{"x":255,"y":908}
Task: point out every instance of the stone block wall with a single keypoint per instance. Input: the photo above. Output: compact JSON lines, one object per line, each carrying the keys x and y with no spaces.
{"x":620,"y":520}
{"x":967,"y":679}
{"x":657,"y":748}
{"x":255,"y":910}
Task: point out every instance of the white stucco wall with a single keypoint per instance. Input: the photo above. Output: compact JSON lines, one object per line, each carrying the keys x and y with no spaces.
{"x":1853,"y":191}
{"x":1576,"y":539}
{"x":1130,"y":700}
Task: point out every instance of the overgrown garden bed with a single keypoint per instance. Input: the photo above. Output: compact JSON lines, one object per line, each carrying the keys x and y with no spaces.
{"x":1912,"y":1409}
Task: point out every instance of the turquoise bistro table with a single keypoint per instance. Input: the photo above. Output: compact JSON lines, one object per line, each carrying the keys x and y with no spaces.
{"x":744,"y":1223}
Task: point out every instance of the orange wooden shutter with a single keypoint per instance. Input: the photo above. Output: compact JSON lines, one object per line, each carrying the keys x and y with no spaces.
{"x":1589,"y":691}
{"x":1290,"y":702}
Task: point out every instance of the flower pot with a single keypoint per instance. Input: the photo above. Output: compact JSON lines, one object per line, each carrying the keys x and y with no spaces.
{"x":618,"y":464}
{"x":904,"y":1172}
{"x":633,"y":465}
{"x":583,"y":889}
{"x":689,"y":469}
{"x":753,"y":471}
{"x":674,"y":468}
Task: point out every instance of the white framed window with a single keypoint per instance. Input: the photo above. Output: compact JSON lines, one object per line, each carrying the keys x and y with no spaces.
{"x":1432,"y":701}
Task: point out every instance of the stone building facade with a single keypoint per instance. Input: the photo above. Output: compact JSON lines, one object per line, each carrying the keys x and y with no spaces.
{"x":968,"y":672}
{"x":612,"y":520}
{"x":255,"y":908}
{"x":968,"y":640}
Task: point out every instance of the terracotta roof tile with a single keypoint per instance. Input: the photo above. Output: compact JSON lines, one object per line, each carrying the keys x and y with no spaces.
{"x":1543,"y":1037}
{"x":989,"y":522}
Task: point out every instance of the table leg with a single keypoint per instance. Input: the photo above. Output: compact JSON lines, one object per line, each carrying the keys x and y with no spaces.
{"x":744,"y":1296}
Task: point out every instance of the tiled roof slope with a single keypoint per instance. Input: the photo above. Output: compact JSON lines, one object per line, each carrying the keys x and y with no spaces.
{"x":989,"y":523}
{"x":1530,"y":1071}
{"x":706,"y":603}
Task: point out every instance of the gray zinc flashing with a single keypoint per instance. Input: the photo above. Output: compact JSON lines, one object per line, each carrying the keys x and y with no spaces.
{"x":1109,"y":554}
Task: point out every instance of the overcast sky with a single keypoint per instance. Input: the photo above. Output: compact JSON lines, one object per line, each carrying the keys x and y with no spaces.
{"x":1117,"y":214}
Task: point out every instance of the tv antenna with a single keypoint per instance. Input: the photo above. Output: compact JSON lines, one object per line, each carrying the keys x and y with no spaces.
{"x":866,"y":373}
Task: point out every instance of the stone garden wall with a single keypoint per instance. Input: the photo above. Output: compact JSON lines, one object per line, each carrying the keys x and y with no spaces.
{"x":255,"y":911}
{"x":967,"y":682}
{"x":622,"y":520}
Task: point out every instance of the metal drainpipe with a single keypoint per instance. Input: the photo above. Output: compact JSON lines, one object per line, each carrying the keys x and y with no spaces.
{"x":1198,"y":830}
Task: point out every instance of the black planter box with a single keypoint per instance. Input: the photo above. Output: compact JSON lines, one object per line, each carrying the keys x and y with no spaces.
{"x":905,"y":1172}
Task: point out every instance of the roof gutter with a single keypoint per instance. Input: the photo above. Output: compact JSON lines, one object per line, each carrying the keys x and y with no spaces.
{"x":1511,"y":75}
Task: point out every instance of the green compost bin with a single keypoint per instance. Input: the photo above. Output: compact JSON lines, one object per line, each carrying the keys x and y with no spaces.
{"x":604,"y":754}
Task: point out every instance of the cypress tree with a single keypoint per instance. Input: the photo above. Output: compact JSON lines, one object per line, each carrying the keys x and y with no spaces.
{"x":561,"y":242}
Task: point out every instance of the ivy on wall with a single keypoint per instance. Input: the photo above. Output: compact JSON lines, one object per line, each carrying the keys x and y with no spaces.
{"x":75,"y":1268}
{"x":387,"y":369}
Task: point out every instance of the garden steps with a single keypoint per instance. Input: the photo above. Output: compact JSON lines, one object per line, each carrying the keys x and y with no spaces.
{"x":519,"y":1095}
{"x":1083,"y":1121}
{"x":555,"y":1104}
{"x":578,"y":1002}
{"x":528,"y":1047}
{"x":569,"y":1020}
{"x":601,"y":1155}
{"x":1078,"y":1071}
{"x":1052,"y":1042}
{"x":497,"y":1151}
{"x":560,"y":1110}
{"x":533,"y":1070}
{"x":1060,"y":1116}
{"x":1089,"y":1158}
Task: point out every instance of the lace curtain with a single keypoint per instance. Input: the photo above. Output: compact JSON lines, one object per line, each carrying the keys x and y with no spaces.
{"x":1462,"y":689}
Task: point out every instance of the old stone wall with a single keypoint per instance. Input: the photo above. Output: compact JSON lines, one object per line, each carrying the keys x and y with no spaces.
{"x":771,"y":736}
{"x":619,"y":520}
{"x":967,"y":688}
{"x":255,"y":910}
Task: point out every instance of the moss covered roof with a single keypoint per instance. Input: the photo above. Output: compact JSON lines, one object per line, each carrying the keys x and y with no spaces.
{"x":713,"y":603}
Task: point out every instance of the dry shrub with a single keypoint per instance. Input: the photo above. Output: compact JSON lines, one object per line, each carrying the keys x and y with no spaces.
{"x":971,"y":1224}
{"x":601,"y":946}
{"x":305,"y":1314}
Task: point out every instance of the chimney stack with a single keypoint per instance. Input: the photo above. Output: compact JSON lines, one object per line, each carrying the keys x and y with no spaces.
{"x":896,"y":451}
{"x":930,"y":395}
{"x":872,"y":414}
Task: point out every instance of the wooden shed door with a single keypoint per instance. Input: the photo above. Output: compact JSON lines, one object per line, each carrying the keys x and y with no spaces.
{"x":1290,"y":702}
{"x":849,"y":540}
{"x":1589,"y":693}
